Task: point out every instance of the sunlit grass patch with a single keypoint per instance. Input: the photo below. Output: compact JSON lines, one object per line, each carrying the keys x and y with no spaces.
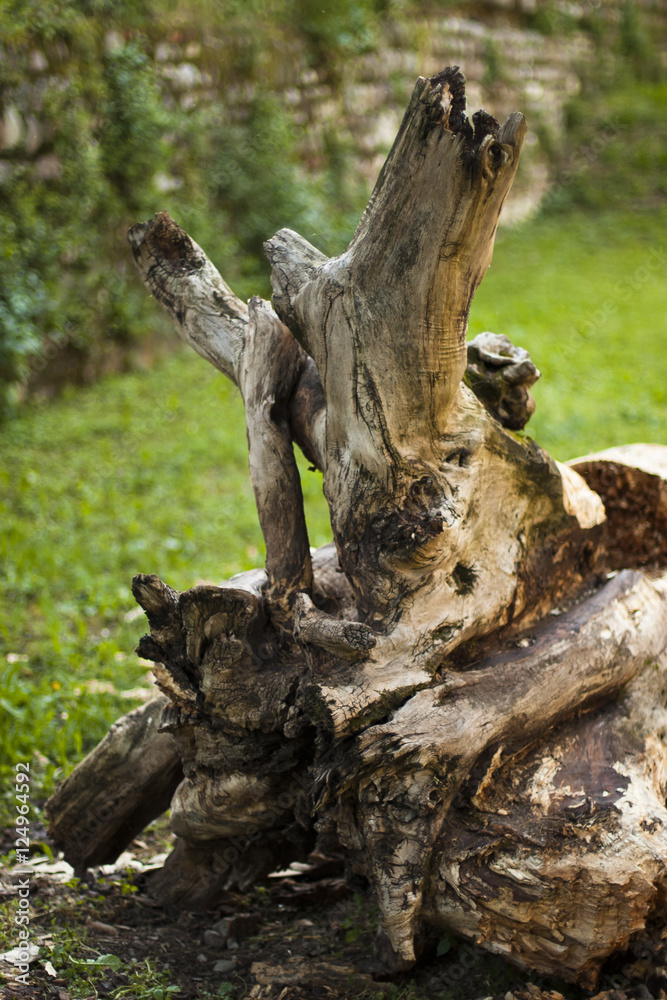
{"x":586,"y":295}
{"x":140,"y":473}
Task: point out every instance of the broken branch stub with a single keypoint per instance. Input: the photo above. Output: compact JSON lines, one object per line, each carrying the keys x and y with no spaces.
{"x":407,"y":447}
{"x":385,"y":322}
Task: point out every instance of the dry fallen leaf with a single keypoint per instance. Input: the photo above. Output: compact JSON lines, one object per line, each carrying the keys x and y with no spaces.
{"x":19,"y":956}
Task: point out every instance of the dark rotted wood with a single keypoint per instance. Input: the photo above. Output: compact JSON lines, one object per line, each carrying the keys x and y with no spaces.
{"x":515,"y":845}
{"x":197,"y":875}
{"x":501,"y":376}
{"x":128,"y":780}
{"x":240,"y":810}
{"x":632,"y":481}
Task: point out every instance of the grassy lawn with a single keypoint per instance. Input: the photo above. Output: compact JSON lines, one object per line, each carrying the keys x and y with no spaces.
{"x":141,"y":473}
{"x":585,"y":294}
{"x":147,"y":472}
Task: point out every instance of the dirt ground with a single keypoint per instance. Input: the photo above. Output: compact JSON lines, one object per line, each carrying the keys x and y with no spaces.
{"x":301,"y":935}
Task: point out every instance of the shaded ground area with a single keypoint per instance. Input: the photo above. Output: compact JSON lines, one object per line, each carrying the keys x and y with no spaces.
{"x":302,"y":935}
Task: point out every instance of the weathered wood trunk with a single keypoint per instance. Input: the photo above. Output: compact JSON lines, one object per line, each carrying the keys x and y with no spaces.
{"x":456,"y":691}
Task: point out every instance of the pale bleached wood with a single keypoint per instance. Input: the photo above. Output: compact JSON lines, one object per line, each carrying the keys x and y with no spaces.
{"x":178,"y":273}
{"x":385,"y":322}
{"x":421,"y":554}
{"x":215,"y":322}
{"x":252,"y":347}
{"x":436,"y":510}
{"x":555,"y":858}
{"x":512,"y":537}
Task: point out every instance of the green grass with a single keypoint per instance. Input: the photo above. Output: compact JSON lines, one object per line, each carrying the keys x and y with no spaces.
{"x":141,"y":473}
{"x":147,"y":472}
{"x":585,"y":294}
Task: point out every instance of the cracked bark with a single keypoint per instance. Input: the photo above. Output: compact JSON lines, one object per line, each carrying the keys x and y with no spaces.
{"x":408,"y":691}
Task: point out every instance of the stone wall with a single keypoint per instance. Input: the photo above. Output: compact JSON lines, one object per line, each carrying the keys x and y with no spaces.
{"x":526,"y":55}
{"x":509,"y":66}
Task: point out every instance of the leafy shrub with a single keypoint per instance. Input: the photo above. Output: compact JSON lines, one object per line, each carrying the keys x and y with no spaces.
{"x":345,"y":28}
{"x":65,"y":271}
{"x":102,"y":124}
{"x":134,"y":121}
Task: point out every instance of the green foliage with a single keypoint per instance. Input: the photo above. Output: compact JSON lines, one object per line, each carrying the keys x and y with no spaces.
{"x":120,"y":148}
{"x":616,"y":151}
{"x":137,"y":474}
{"x":255,"y":177}
{"x":553,"y":20}
{"x":62,"y":225}
{"x":494,"y":67}
{"x":344,"y":28}
{"x":584,"y":293}
{"x":21,"y":20}
{"x":135,"y":121}
{"x":363,"y":918}
{"x":225,"y":990}
{"x":65,"y":271}
{"x":84,"y":969}
{"x":635,"y":46}
{"x":613,"y":149}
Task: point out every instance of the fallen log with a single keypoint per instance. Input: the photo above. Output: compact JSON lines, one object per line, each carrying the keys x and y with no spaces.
{"x":129,"y":779}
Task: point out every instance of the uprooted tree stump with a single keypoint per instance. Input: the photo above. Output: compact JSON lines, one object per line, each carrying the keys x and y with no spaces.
{"x":466,"y":691}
